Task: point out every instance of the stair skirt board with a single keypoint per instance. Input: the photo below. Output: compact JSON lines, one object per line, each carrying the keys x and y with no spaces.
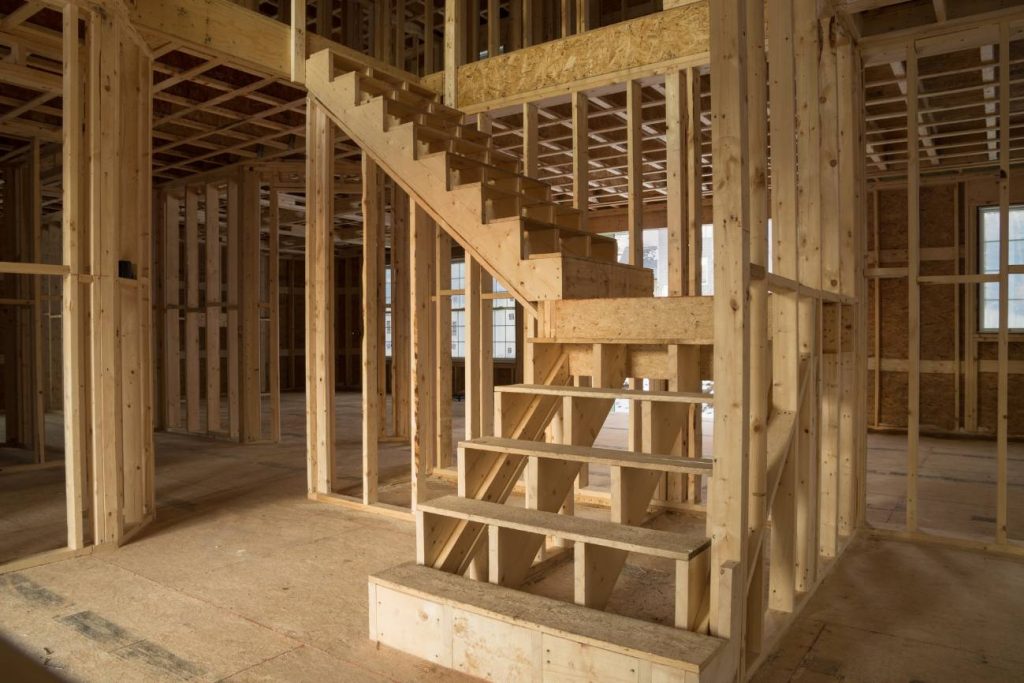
{"x":499,"y":634}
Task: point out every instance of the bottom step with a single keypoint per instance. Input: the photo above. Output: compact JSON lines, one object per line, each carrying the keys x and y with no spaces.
{"x":500,"y":634}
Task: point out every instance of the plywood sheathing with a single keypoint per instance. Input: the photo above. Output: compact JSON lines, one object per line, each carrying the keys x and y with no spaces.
{"x":938,"y":331}
{"x":666,"y":37}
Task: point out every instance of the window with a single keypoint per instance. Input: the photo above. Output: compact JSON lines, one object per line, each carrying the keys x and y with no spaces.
{"x":504,"y":314}
{"x":387,"y":312}
{"x":988,"y":252}
{"x":458,"y":310}
{"x":655,"y":255}
{"x":707,"y":259}
{"x":503,"y":311}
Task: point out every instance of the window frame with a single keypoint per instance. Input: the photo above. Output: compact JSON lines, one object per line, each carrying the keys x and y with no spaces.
{"x":979,"y":234}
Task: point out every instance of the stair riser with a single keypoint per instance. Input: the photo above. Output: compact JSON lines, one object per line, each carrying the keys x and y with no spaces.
{"x":491,"y":647}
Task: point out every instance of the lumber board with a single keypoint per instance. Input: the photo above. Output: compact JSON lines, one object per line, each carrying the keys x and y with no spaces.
{"x":601,"y":456}
{"x":673,"y":545}
{"x":601,"y":392}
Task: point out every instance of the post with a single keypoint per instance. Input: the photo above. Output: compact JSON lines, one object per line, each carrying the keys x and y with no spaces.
{"x":372,"y":237}
{"x":320,"y":300}
{"x":454,"y":49}
{"x":913,"y":287}
{"x":443,"y":347}
{"x":421,"y":375}
{"x":234,"y":207}
{"x":274,"y":318}
{"x":634,"y":171}
{"x":213,"y":308}
{"x":76,"y":443}
{"x":677,"y":172}
{"x":192,"y":414}
{"x":298,"y":37}
{"x":580,"y":155}
{"x":757,"y":189}
{"x":1002,"y":390}
{"x":727,"y":510}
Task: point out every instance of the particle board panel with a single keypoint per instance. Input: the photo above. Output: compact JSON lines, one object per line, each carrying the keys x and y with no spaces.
{"x":937,"y":407}
{"x":684,"y":320}
{"x":892,"y":219}
{"x":893,"y":395}
{"x":987,"y":408}
{"x":938,"y":215}
{"x":671,"y":37}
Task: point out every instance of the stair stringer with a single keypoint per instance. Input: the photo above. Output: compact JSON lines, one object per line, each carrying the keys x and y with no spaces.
{"x":497,"y":248}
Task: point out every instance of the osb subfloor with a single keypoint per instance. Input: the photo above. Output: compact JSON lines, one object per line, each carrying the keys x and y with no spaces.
{"x":956,"y":485}
{"x":241,"y":578}
{"x":893,"y":611}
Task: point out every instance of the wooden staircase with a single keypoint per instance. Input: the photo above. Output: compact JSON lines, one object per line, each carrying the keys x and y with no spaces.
{"x":503,"y":219}
{"x":544,"y":430}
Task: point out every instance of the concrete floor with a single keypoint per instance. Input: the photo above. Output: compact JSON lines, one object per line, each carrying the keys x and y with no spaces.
{"x":240,"y":577}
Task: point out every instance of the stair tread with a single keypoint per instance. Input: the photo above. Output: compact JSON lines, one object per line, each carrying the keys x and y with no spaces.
{"x":595,"y":392}
{"x":658,"y":642}
{"x":591,"y":454}
{"x":671,"y":544}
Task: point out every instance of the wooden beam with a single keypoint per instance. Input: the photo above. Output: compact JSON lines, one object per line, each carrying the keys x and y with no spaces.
{"x":1002,"y":388}
{"x":677,"y":170}
{"x":580,"y":154}
{"x":635,"y":171}
{"x":233,"y":254}
{"x":493,"y":27}
{"x":785,"y":349}
{"x":249,"y":360}
{"x":421,"y":372}
{"x":454,"y":49}
{"x":913,"y":288}
{"x":320,"y":356}
{"x":172,"y":306}
{"x":429,"y":49}
{"x":104,"y":107}
{"x":193,"y":415}
{"x":831,"y":259}
{"x":727,"y":509}
{"x":760,"y":365}
{"x":851,"y":228}
{"x":372,"y":243}
{"x":213,"y":307}
{"x":73,"y":216}
{"x":33,"y":206}
{"x":297,"y":34}
{"x":807,"y":42}
{"x":274,"y":315}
